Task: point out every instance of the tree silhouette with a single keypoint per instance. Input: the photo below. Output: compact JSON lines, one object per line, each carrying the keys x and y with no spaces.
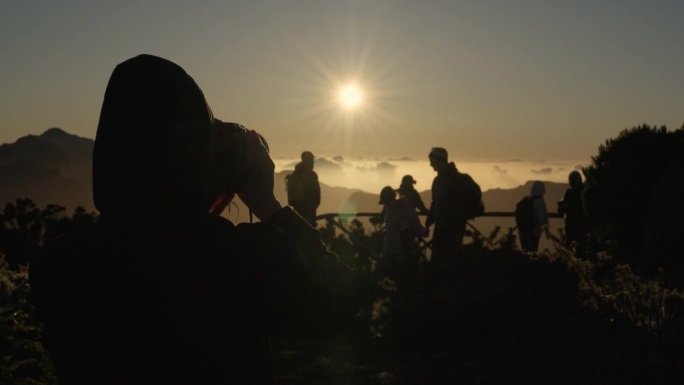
{"x":621,"y":183}
{"x":24,"y":226}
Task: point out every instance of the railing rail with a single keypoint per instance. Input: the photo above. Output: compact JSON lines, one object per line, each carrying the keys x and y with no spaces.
{"x":332,"y":224}
{"x":501,"y":214}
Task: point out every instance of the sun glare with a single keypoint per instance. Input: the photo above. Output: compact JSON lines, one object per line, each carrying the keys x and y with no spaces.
{"x":350,"y":96}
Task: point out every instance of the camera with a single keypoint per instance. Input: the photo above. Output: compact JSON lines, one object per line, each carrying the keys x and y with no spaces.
{"x":229,"y":162}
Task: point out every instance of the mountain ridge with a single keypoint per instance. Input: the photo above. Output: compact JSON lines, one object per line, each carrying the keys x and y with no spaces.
{"x":56,"y":167}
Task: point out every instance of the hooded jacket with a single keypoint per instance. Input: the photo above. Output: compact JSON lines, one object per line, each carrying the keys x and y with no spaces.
{"x":151,"y":153}
{"x":541,"y":215}
{"x":159,"y":290}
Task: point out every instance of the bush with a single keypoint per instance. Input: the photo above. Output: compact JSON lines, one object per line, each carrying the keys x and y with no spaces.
{"x":24,"y":226}
{"x":498,"y":316}
{"x":23,"y":359}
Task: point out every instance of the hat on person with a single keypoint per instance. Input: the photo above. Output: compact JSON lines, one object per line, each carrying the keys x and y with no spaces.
{"x":439,"y":153}
{"x":387,"y":195}
{"x":408,"y":179}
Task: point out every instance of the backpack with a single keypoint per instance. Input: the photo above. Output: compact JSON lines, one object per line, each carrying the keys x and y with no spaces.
{"x":474,"y":205}
{"x":295,"y":190}
{"x":524,"y":214}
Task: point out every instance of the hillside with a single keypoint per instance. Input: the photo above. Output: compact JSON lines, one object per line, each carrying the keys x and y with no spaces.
{"x":54,"y":167}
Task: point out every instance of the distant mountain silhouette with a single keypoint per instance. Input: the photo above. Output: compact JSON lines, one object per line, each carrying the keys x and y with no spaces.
{"x":505,"y":199}
{"x":55,"y":148}
{"x":79,"y":151}
{"x":333,"y":198}
{"x":56,"y":167}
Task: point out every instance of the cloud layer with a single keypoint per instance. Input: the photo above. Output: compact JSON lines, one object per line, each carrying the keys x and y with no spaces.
{"x":372,"y":175}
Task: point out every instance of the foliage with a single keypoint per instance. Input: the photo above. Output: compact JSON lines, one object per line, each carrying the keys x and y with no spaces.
{"x":498,"y":315}
{"x":23,"y":359}
{"x":620,"y":184}
{"x":24,"y":226}
{"x":493,"y":241}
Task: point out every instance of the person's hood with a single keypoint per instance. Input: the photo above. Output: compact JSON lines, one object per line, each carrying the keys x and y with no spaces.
{"x":152,"y":142}
{"x":538,"y":189}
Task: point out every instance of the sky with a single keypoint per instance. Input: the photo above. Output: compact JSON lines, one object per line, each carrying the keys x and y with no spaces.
{"x":490,"y":81}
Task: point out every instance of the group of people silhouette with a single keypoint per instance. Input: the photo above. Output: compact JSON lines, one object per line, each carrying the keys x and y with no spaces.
{"x":570,"y":206}
{"x":163,"y":289}
{"x":448,"y":212}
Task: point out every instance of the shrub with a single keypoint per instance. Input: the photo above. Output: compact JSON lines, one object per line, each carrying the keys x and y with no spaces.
{"x":23,"y":359}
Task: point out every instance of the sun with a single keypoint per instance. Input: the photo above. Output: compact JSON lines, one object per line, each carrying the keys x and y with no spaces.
{"x":350,"y":96}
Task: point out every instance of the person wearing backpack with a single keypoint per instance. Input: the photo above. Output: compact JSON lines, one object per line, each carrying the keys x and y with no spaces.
{"x":303,"y":189}
{"x":456,"y":198}
{"x":532,"y":218}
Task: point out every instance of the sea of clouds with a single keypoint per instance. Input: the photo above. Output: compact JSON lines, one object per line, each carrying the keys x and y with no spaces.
{"x":372,"y":175}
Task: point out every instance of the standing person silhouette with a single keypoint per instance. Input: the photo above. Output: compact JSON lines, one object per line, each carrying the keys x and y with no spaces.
{"x":572,"y":209}
{"x":304,"y":191}
{"x":159,"y":290}
{"x":452,"y":200}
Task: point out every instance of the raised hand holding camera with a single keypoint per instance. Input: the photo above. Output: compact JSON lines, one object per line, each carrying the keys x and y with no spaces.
{"x":257,"y":192}
{"x":242,"y":165}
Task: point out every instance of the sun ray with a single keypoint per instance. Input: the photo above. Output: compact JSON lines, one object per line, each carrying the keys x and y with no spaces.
{"x":348,"y":98}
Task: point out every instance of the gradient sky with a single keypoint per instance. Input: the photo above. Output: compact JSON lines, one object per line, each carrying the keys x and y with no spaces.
{"x":488,"y":80}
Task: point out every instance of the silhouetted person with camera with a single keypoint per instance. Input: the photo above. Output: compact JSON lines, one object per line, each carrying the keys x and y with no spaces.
{"x":303,"y":189}
{"x":160,"y":290}
{"x":572,"y":209}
